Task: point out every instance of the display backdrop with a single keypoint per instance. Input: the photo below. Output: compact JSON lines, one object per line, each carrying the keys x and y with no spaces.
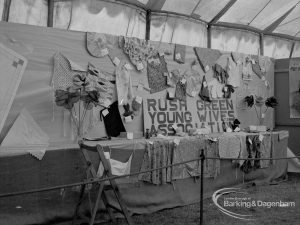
{"x":35,"y":92}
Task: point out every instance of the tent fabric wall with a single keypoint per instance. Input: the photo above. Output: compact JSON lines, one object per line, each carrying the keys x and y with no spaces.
{"x":171,"y":29}
{"x":234,"y":40}
{"x":119,"y":19}
{"x":296,"y":52}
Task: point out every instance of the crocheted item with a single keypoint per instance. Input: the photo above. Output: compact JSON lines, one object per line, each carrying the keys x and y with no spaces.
{"x":98,"y":45}
{"x":123,"y":83}
{"x":156,"y":69}
{"x":63,"y":73}
{"x":112,"y":121}
{"x":229,"y":145}
{"x":204,"y":92}
{"x":179,"y":53}
{"x":157,"y":154}
{"x":180,"y":92}
{"x":138,"y":50}
{"x":207,"y":57}
{"x":186,"y":150}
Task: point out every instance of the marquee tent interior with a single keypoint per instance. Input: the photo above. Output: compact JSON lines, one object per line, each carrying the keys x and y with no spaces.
{"x":38,"y":139}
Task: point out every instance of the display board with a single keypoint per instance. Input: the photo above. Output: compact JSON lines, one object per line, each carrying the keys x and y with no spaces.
{"x":36,"y":93}
{"x":294,"y":87}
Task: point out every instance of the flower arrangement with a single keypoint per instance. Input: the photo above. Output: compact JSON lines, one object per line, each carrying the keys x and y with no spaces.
{"x":258,"y":102}
{"x":78,"y":98}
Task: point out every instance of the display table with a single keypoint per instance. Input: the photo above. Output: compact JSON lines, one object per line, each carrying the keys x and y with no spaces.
{"x":65,"y":166}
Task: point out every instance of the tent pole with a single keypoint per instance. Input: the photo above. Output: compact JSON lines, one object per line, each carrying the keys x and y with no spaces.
{"x":6,"y":8}
{"x":202,"y":156}
{"x":261,"y":44}
{"x":50,"y":13}
{"x":208,"y":36}
{"x":148,"y":24}
{"x":292,"y":49}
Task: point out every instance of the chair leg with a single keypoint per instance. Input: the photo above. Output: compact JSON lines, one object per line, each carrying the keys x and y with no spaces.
{"x":108,"y":208}
{"x":78,"y":204}
{"x":100,"y":190}
{"x":121,"y":203}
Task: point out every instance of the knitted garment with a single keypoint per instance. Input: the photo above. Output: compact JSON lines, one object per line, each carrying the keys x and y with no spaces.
{"x":179,"y":53}
{"x":220,"y":74}
{"x":211,"y":166}
{"x":98,"y":45}
{"x":193,"y":82}
{"x":247,"y":70}
{"x":138,"y":50}
{"x":206,"y":57}
{"x":112,"y":121}
{"x":123,"y":83}
{"x":204,"y":92}
{"x":102,"y":82}
{"x":157,"y":154}
{"x":186,"y":150}
{"x":63,"y":72}
{"x":256,"y":67}
{"x":229,"y":145}
{"x":156,"y":70}
{"x":216,"y":88}
{"x":234,"y":74}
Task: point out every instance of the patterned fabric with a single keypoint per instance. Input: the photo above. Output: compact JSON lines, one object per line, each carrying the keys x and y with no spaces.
{"x":179,"y":53}
{"x":156,"y":70}
{"x":207,"y":57}
{"x":186,"y":150}
{"x":138,"y":50}
{"x":157,"y":155}
{"x":102,"y":82}
{"x":63,"y":72}
{"x":123,"y":83}
{"x":266,"y":150}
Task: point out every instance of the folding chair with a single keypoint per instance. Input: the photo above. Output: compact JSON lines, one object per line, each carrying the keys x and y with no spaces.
{"x":102,"y":186}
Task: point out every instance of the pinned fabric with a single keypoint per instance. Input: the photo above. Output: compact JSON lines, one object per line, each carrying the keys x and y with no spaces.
{"x":179,"y":53}
{"x":64,"y":72}
{"x":138,"y":50}
{"x":236,"y":57}
{"x":216,"y":88}
{"x":204,"y":92}
{"x":207,"y":57}
{"x":112,"y":121}
{"x":234,"y":74}
{"x":220,"y":74}
{"x":123,"y":83}
{"x":102,"y":82}
{"x":98,"y":45}
{"x":256,"y":67}
{"x":228,"y":89}
{"x":173,"y":78}
{"x":156,"y":70}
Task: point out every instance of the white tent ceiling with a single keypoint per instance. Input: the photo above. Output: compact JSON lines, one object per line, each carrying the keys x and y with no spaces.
{"x":249,"y":24}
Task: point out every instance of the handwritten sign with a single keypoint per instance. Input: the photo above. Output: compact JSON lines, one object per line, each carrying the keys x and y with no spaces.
{"x":162,"y":114}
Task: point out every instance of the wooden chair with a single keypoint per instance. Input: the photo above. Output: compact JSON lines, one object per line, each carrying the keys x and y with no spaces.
{"x":102,"y":186}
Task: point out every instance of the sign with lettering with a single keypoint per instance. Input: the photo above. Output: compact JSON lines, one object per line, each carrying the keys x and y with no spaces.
{"x":162,"y":114}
